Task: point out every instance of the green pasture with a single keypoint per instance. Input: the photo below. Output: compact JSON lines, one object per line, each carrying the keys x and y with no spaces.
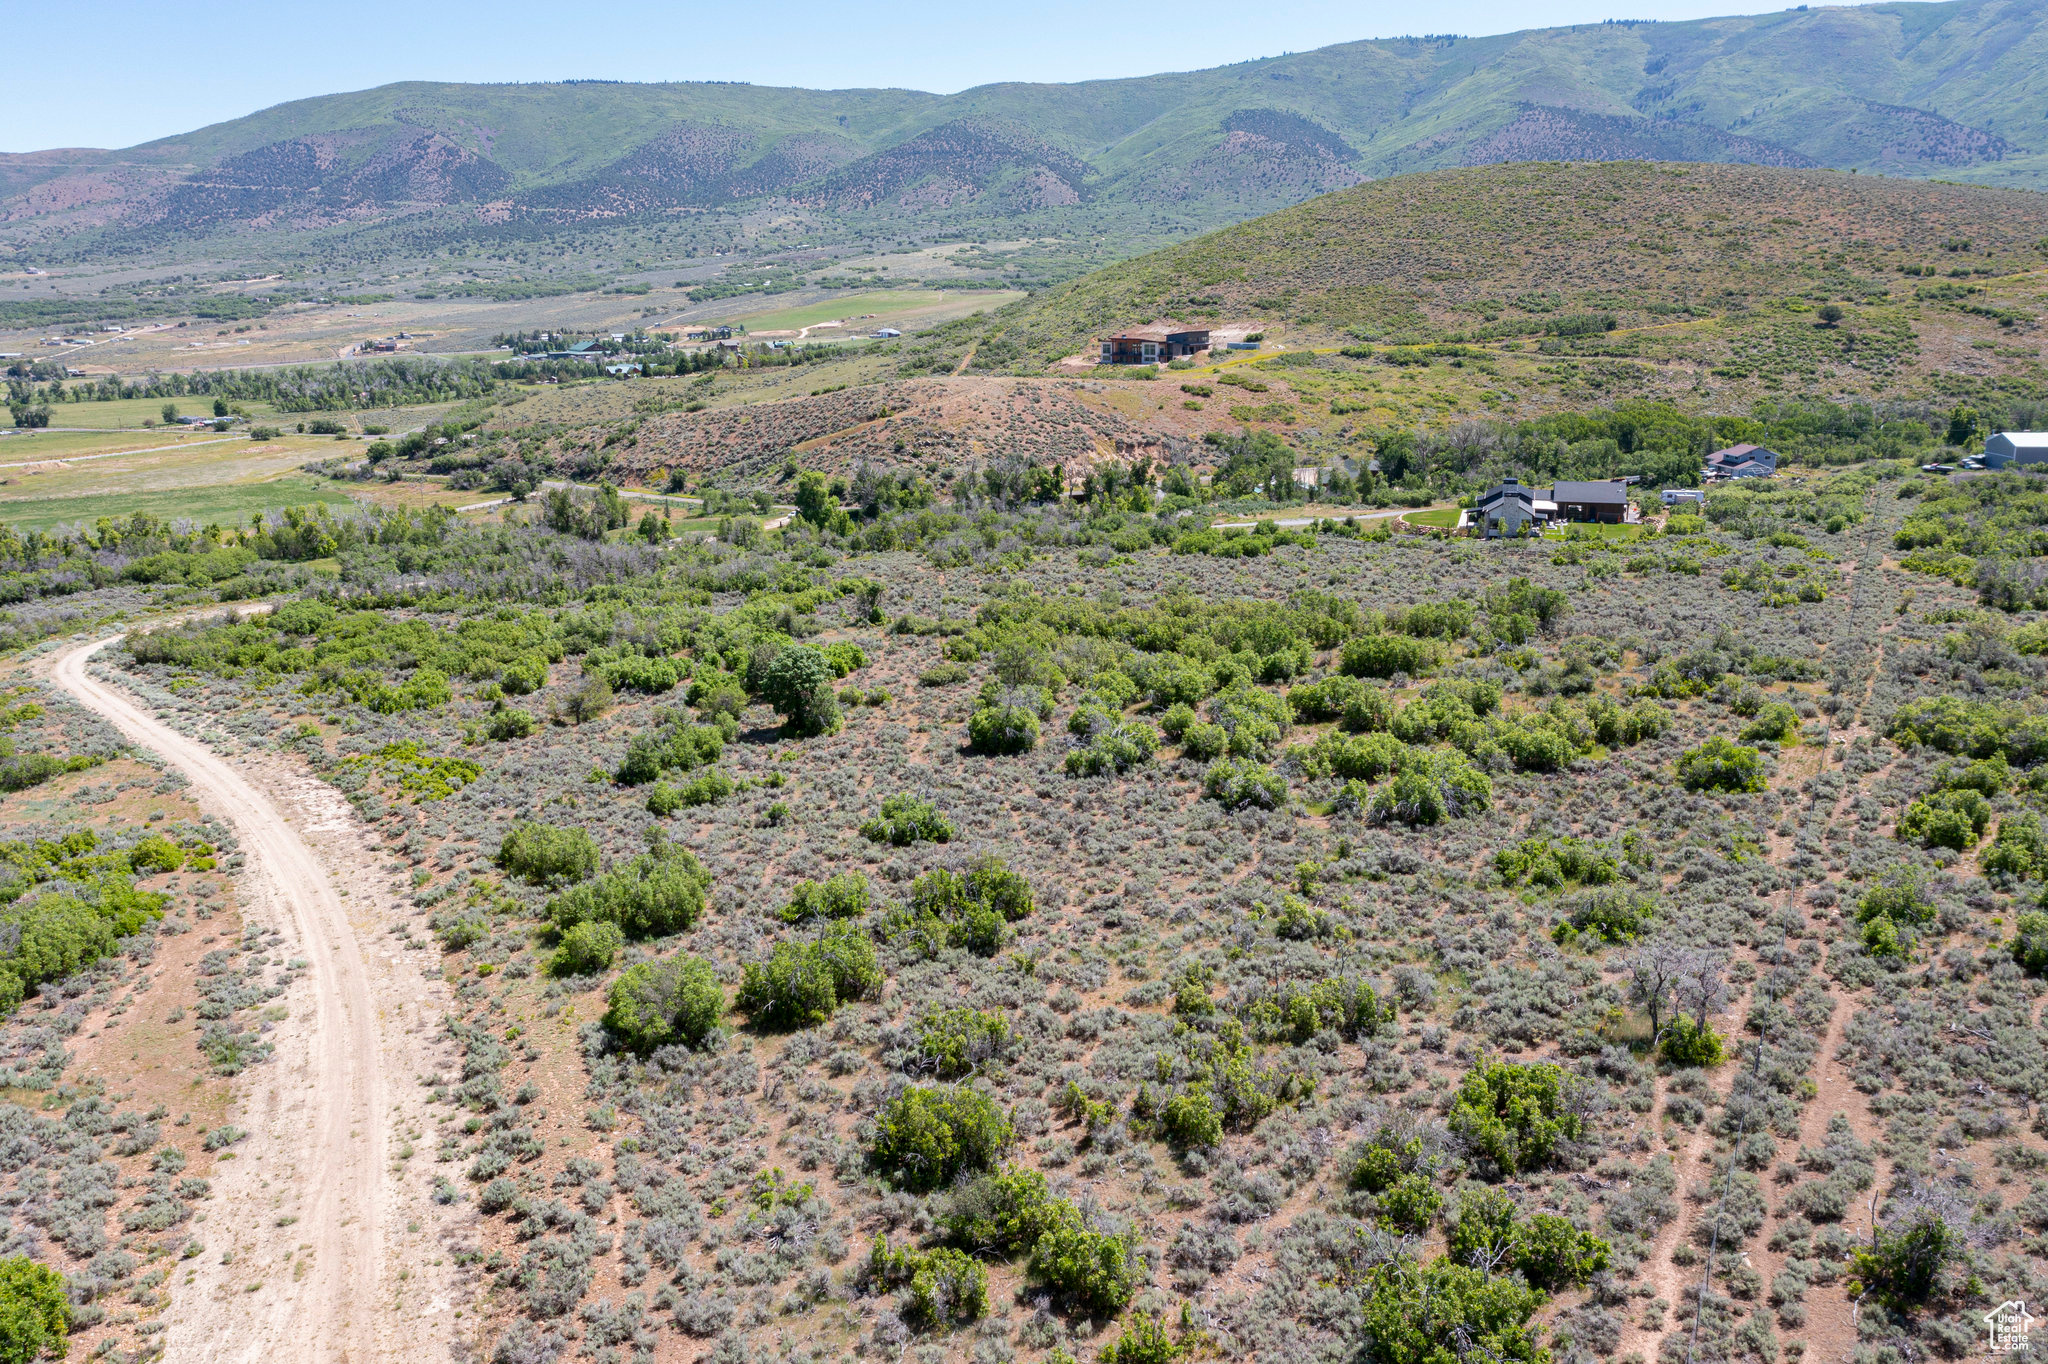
{"x":222,"y":503}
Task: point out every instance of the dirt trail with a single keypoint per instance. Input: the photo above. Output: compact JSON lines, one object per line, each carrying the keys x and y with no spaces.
{"x":318,"y":1249}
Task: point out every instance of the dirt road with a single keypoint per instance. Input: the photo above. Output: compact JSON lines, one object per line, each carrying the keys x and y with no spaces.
{"x":319,"y":1246}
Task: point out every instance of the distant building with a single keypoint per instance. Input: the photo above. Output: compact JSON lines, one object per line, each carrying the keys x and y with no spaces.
{"x":2015,"y":447}
{"x":1151,"y":345}
{"x":1605,"y":501}
{"x":1675,"y":496}
{"x":1510,"y":509}
{"x":1743,"y":461}
{"x":886,"y":333}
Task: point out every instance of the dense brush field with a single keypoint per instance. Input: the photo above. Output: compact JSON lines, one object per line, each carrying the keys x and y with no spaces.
{"x":1024,"y":936}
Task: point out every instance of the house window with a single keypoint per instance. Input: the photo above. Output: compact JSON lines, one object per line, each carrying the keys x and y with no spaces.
{"x":1108,"y":352}
{"x":1151,"y":351}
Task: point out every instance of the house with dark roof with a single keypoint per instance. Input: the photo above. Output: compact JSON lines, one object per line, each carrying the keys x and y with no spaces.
{"x":1509,"y":509}
{"x":1743,"y":461}
{"x":1604,"y":501}
{"x":1160,"y":342}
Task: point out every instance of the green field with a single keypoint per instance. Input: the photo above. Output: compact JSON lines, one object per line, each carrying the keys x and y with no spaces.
{"x":220,"y":503}
{"x":129,"y":413}
{"x":1444,"y":518}
{"x":884,"y":303}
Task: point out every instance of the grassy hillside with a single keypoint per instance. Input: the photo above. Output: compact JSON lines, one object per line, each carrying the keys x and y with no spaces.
{"x":1511,"y":248}
{"x":1925,"y":90}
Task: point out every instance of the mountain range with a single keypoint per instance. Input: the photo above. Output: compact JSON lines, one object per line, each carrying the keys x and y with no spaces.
{"x":1951,"y":90}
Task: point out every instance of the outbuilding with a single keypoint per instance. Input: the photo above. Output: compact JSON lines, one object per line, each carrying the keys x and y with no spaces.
{"x":2015,"y":447}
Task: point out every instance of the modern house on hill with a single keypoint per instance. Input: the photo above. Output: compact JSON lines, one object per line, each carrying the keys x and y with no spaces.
{"x":1605,"y":501}
{"x":1743,"y":461}
{"x":1154,"y":345}
{"x":2015,"y":447}
{"x":1513,"y":508}
{"x":1510,"y":509}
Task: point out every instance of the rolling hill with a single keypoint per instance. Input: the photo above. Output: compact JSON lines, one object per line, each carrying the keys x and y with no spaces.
{"x":1948,"y":90}
{"x":1507,"y":248}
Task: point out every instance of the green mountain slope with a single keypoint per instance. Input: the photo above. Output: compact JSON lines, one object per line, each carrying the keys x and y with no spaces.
{"x":1951,"y":90}
{"x":1504,"y":250}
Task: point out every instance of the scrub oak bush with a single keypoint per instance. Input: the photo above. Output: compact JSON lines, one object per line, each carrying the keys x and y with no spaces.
{"x":959,"y":1041}
{"x":1719,"y":765}
{"x":657,"y":1003}
{"x":948,"y":909}
{"x":1238,"y":783}
{"x":928,"y":1136}
{"x":1516,"y":1116}
{"x":905,"y":820}
{"x":802,"y":983}
{"x":1430,"y":1313}
{"x":1490,"y":1232}
{"x":35,"y":1311}
{"x":547,"y":854}
{"x":798,"y":684}
{"x":844,"y":896}
{"x":587,"y":949}
{"x":945,"y":1287}
{"x":2030,"y":943}
{"x":655,"y":894}
{"x":1946,"y":819}
{"x":1385,"y":655}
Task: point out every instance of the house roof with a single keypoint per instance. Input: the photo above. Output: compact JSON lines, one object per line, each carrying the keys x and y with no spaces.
{"x":1157,"y":331}
{"x":1601,"y":491}
{"x":2024,"y":440}
{"x":1742,"y":454}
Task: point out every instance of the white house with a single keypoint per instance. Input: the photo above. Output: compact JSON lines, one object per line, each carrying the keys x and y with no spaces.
{"x":2015,"y":447}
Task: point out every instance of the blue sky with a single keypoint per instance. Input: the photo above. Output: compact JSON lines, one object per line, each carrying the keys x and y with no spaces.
{"x":117,"y":72}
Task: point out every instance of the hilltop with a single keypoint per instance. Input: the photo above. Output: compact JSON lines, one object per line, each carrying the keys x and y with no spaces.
{"x":1507,"y":249}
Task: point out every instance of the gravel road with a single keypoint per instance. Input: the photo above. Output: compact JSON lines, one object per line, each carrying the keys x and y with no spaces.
{"x":321,"y":1240}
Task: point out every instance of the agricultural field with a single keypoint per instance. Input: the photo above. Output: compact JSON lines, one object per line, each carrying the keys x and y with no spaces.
{"x":1003,"y":929}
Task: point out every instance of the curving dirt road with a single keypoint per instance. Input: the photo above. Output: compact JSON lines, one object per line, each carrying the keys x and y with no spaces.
{"x":315,"y":1248}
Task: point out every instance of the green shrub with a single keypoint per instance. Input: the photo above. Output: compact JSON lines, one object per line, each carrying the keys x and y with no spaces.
{"x":959,"y":1041}
{"x":587,"y":949}
{"x":523,"y":676}
{"x":1883,"y":938}
{"x":1444,"y":1311}
{"x":512,"y":724}
{"x":657,"y":893}
{"x":945,"y":1287}
{"x":1116,"y":749}
{"x":2019,"y":850}
{"x":1901,"y":897}
{"x":2030,"y":943}
{"x":1002,"y":1211}
{"x":1946,"y":819}
{"x":801,"y":984}
{"x":1777,"y":722}
{"x":657,"y":1003}
{"x":948,"y":909}
{"x":928,"y":1136}
{"x":1236,"y":783}
{"x":546,"y":854}
{"x":1410,"y":1204}
{"x":1554,"y":862}
{"x":1191,"y":1121}
{"x":1718,"y":765}
{"x":1516,"y":1115}
{"x":35,"y":1311}
{"x":154,"y":853}
{"x":798,"y":684}
{"x":1376,"y":1169}
{"x":1202,"y":741}
{"x":1004,"y":728}
{"x":1688,"y":1042}
{"x":905,"y":820}
{"x":1902,"y":1267}
{"x":1386,"y":655}
{"x":1094,"y":1270}
{"x":944,"y":675}
{"x":1553,"y":1254}
{"x":844,"y":896}
{"x":1433,"y":787}
{"x":1143,"y":1341}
